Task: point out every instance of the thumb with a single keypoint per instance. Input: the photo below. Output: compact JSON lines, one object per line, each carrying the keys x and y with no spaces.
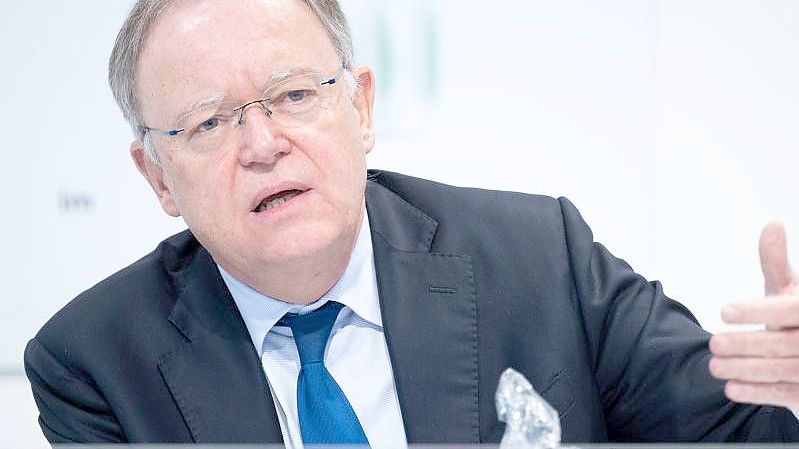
{"x":774,"y":259}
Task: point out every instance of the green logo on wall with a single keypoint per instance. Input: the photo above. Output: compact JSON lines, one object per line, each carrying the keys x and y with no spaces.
{"x":399,"y":39}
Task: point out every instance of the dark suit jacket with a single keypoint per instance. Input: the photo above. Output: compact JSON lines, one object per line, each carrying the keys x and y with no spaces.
{"x":471,"y":282}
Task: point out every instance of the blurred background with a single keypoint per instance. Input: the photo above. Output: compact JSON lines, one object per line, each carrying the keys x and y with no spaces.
{"x":671,"y":124}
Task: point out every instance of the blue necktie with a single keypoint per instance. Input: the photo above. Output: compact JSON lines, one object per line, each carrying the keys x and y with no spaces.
{"x":326,"y":417}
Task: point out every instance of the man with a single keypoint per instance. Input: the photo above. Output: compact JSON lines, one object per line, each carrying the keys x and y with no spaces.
{"x":253,"y":125}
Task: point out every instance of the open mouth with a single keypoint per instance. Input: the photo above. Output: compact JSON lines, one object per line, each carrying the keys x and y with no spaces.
{"x":275,"y":200}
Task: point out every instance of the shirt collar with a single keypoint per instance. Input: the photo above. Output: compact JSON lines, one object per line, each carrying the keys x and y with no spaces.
{"x":356,"y":289}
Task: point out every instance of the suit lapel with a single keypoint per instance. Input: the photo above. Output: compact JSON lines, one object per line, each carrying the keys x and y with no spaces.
{"x":216,"y":378}
{"x":429,"y":313}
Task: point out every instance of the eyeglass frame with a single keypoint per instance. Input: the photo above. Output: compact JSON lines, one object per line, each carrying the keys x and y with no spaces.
{"x":174,"y":132}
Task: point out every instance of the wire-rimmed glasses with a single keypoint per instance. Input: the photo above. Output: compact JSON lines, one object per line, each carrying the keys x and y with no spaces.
{"x":294,"y":101}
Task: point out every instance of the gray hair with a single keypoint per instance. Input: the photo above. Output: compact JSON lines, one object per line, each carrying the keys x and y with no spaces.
{"x":131,"y":38}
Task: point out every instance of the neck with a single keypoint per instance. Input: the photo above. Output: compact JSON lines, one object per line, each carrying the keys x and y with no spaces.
{"x":303,"y":283}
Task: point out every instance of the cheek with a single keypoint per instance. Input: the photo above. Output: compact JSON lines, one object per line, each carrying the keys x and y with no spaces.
{"x":193,"y":188}
{"x":342,"y":176}
{"x":335,"y":148}
{"x":347,"y":154}
{"x":347,"y":171}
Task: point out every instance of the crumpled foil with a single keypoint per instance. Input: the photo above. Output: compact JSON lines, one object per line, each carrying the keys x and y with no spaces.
{"x":530,"y":420}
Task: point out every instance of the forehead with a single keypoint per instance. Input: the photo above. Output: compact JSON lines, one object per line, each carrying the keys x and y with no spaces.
{"x":199,"y":49}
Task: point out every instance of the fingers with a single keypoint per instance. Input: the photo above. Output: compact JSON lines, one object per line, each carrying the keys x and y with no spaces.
{"x":756,"y":344}
{"x":774,"y":259}
{"x":752,"y":369}
{"x":759,"y":367}
{"x":773,"y":311}
{"x":782,"y":394}
{"x":763,"y":367}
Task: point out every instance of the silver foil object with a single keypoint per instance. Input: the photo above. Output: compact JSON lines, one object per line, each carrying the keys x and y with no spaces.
{"x":530,"y":420}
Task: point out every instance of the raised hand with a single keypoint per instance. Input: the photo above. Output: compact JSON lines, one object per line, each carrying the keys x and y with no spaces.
{"x":762,"y":367}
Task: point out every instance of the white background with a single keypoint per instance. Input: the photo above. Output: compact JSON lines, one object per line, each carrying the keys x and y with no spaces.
{"x":671,"y":124}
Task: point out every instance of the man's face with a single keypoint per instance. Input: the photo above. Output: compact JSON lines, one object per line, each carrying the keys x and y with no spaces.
{"x":202,"y":49}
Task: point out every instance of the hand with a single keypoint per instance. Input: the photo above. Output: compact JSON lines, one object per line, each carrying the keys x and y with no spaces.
{"x":762,"y":367}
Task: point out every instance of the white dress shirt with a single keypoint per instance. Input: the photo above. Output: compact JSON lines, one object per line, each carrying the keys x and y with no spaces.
{"x":356,"y":354}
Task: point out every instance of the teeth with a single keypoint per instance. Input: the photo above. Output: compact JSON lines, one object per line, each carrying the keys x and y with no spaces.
{"x":266,"y":205}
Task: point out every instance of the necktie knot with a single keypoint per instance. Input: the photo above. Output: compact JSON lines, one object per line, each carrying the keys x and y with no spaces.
{"x":312,"y":330}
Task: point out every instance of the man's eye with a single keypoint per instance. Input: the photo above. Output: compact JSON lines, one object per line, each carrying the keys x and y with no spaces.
{"x":296,"y":96}
{"x":208,"y":125}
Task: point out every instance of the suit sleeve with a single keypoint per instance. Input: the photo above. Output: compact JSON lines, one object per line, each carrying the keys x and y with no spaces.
{"x":71,"y":409}
{"x":650,"y":356}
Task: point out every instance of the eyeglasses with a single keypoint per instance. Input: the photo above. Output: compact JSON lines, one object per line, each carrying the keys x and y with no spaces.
{"x":295,"y":101}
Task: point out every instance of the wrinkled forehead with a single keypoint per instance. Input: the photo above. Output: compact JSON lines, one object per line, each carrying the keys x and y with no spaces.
{"x":227,"y":49}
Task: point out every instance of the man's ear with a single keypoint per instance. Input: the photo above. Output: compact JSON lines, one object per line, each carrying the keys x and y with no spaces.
{"x":364,"y":101}
{"x":154,"y":174}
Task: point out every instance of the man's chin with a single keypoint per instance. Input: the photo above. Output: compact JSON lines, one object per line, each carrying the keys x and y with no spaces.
{"x":295,"y":245}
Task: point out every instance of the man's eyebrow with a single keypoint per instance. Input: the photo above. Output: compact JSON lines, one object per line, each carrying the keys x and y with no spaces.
{"x":283,"y":75}
{"x":274,"y":78}
{"x":213,"y":99}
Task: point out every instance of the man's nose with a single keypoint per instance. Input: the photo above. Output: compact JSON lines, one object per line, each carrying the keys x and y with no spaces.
{"x":262,"y":140}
